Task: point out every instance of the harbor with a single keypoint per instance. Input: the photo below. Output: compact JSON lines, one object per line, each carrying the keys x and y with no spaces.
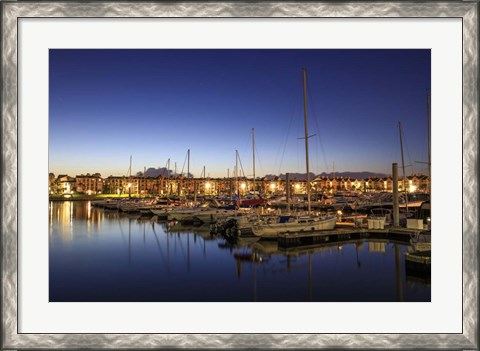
{"x":297,"y":225}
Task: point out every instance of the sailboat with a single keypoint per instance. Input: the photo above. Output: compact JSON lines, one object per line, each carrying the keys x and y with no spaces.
{"x":297,"y":223}
{"x":255,"y":201}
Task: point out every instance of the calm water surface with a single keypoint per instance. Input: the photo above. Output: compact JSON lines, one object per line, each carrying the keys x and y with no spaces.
{"x":100,"y":255}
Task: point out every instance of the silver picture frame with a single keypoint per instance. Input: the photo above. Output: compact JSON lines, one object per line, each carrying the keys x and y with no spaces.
{"x":13,"y":11}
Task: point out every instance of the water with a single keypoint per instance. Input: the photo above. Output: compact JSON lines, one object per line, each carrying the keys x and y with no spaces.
{"x":105,"y":256}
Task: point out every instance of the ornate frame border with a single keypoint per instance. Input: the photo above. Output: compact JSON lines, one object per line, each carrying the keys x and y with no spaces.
{"x":11,"y":11}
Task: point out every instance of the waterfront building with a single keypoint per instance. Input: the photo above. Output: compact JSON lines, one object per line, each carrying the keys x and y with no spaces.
{"x":64,"y":184}
{"x":89,"y":184}
{"x":227,"y":187}
{"x":114,"y":185}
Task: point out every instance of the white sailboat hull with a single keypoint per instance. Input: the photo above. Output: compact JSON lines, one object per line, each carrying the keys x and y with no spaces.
{"x":273,"y":229}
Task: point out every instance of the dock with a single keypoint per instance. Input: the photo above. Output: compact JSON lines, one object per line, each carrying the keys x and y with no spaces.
{"x":339,"y":234}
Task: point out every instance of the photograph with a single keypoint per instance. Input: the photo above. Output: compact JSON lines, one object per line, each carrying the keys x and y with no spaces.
{"x":209,"y":175}
{"x":239,"y":175}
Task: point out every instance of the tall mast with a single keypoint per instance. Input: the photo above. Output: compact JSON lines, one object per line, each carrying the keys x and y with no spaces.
{"x":229,"y":183}
{"x":188,"y":164}
{"x":403,"y":167}
{"x":305,"y":117}
{"x":236,"y":173}
{"x":129,"y":178}
{"x":429,"y":154}
{"x":188,"y":173}
{"x":253,"y":148}
{"x":168,"y":183}
{"x":130,"y":168}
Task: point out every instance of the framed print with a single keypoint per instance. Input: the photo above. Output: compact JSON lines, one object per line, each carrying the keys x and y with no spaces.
{"x":156,"y":227}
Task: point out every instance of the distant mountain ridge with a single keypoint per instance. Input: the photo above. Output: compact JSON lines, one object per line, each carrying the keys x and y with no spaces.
{"x":162,"y":171}
{"x":155,"y":172}
{"x":352,"y":175}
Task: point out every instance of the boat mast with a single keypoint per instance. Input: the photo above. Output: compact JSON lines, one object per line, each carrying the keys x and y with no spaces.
{"x":188,"y":164}
{"x":403,"y":167}
{"x":130,"y":168}
{"x":236,"y":176}
{"x":168,"y":183}
{"x":188,"y":173}
{"x":253,"y":148}
{"x":429,"y":154}
{"x":130,"y":178}
{"x":305,"y":117}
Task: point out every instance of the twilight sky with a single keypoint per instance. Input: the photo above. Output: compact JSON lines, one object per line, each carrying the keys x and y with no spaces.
{"x":106,"y":105}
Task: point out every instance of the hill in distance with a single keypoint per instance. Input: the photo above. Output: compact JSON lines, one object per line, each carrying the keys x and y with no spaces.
{"x":352,"y":175}
{"x":155,"y":172}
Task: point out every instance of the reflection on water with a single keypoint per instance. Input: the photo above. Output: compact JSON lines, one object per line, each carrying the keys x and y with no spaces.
{"x":101,"y":255}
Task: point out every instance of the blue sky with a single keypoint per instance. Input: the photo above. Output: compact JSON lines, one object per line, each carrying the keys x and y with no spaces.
{"x":105,"y":105}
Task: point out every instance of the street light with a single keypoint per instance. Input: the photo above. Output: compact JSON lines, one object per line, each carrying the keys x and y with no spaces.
{"x":272,"y":187}
{"x":243,"y":186}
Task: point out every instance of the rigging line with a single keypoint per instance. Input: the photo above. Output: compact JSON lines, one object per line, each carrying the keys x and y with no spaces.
{"x":298,"y":152}
{"x":185,"y":161}
{"x":285,"y":142}
{"x":408,"y":153}
{"x":241,"y":166}
{"x":316,"y":159}
{"x":294,"y":108}
{"x":166,"y":167}
{"x":315,"y":121}
{"x":278,"y":149}
{"x":258,"y":162}
{"x":320,"y":145}
{"x":292,"y":111}
{"x":394,"y":149}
